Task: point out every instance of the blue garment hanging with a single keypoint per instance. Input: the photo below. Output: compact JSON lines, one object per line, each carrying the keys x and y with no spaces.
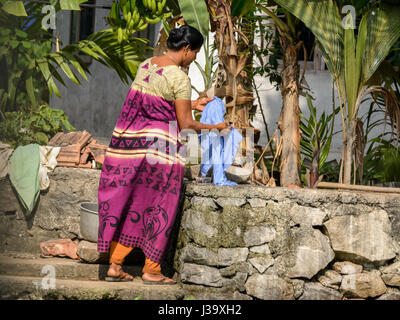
{"x":218,"y":151}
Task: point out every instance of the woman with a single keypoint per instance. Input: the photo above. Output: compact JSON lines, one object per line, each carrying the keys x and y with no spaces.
{"x":143,"y":170}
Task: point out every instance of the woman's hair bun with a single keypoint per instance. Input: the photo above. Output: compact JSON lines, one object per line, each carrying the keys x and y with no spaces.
{"x":183,"y":36}
{"x":175,"y":34}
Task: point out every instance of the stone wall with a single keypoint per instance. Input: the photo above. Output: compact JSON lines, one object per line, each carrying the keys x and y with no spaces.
{"x":56,"y":215}
{"x":243,"y":242}
{"x":247,"y":242}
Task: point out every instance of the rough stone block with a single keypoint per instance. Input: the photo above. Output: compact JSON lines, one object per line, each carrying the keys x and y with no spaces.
{"x":232,"y":201}
{"x":259,"y":235}
{"x":235,"y":283}
{"x":204,"y":202}
{"x":228,"y":256}
{"x":347,"y":267}
{"x":269,"y":287}
{"x":238,"y":174}
{"x":263,"y":249}
{"x":330,"y":279}
{"x":257,"y":203}
{"x":222,"y":258}
{"x":261,"y":263}
{"x":362,"y":239}
{"x":203,"y":275}
{"x":363,"y":285}
{"x":307,"y":215}
{"x":200,"y":225}
{"x":313,"y":253}
{"x":316,"y":291}
{"x":87,"y":251}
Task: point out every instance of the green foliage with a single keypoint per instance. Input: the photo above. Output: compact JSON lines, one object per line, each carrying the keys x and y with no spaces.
{"x":352,"y":61}
{"x":21,"y":41}
{"x":382,"y":162}
{"x":240,"y":8}
{"x":14,"y":7}
{"x":382,"y":159}
{"x":71,"y":4}
{"x":269,"y":47}
{"x":394,"y":55}
{"x":196,"y":14}
{"x":208,"y":72}
{"x":30,"y":68}
{"x":316,"y":134}
{"x":316,"y":137}
{"x":128,"y":16}
{"x":37,"y":126}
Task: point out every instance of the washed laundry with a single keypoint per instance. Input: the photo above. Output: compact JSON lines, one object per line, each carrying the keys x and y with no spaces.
{"x":218,"y":151}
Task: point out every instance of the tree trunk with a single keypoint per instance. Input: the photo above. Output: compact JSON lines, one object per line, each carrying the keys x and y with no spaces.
{"x":348,"y":151}
{"x":230,"y":81}
{"x":289,"y":123}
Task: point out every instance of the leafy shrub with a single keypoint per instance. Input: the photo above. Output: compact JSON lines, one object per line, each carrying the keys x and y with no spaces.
{"x":382,"y":162}
{"x":36,"y":126}
{"x":315,"y":143}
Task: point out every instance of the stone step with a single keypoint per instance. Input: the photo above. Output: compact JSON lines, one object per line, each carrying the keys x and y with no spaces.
{"x":36,"y":288}
{"x":64,"y":268}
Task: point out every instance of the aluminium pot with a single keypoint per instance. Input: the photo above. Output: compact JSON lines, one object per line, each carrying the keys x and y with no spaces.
{"x":89,"y":221}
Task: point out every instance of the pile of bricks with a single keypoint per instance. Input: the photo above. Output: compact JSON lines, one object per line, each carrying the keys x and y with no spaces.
{"x":78,"y":149}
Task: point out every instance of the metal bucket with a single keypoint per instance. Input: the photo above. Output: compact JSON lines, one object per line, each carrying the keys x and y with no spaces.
{"x":89,"y":221}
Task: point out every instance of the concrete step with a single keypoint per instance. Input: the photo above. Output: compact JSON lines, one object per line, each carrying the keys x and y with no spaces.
{"x":39,"y":288}
{"x":64,"y":268}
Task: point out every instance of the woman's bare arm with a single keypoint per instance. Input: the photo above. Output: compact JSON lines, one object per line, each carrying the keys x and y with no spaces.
{"x":185,"y":120}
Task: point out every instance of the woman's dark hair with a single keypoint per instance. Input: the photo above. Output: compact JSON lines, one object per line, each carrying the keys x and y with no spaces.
{"x":183,"y":36}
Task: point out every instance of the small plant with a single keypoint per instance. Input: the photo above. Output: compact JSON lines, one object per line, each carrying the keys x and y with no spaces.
{"x":36,"y":126}
{"x":382,"y":162}
{"x":315,"y":143}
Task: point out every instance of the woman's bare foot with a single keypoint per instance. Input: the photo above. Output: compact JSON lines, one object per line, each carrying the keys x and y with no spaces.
{"x":157,"y":278}
{"x":115,"y":271}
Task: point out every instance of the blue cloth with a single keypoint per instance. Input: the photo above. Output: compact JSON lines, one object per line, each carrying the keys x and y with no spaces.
{"x":218,"y":150}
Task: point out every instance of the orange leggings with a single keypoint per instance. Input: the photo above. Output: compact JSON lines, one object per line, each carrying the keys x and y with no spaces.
{"x":118,"y":253}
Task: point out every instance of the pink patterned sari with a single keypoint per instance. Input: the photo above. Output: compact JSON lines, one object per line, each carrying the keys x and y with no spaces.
{"x":143,"y":169}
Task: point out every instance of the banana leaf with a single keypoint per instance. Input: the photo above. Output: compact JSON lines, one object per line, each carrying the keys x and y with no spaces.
{"x":71,"y":4}
{"x":15,"y":8}
{"x":196,"y":14}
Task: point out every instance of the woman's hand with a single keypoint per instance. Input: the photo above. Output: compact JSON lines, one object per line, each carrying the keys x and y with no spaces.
{"x":222,"y":126}
{"x":200,"y":103}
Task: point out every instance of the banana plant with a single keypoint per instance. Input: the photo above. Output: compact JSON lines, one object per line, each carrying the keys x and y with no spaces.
{"x":350,"y":61}
{"x":129,"y":16}
{"x":208,"y":72}
{"x":28,"y":61}
{"x":196,"y":15}
{"x":17,"y":7}
{"x":289,"y":123}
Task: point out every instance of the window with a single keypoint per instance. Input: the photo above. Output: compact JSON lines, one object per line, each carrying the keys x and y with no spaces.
{"x":82,"y":22}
